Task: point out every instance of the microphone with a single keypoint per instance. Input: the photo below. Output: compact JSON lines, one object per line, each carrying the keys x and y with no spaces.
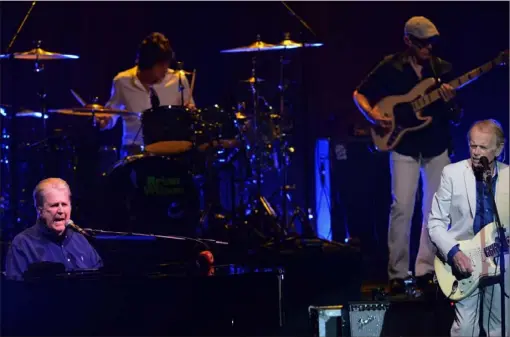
{"x":485,"y":163}
{"x":77,"y":228}
{"x":487,"y":176}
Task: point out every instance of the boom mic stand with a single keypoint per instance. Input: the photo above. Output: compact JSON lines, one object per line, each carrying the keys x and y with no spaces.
{"x":503,"y":248}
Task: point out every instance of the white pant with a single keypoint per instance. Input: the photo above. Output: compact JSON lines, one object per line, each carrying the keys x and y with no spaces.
{"x":405,"y":175}
{"x":467,"y":312}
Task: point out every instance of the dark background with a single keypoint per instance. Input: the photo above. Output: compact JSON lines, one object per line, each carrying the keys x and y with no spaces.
{"x":356,"y":36}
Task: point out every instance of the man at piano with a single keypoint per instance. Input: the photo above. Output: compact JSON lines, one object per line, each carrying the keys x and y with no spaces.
{"x":461,"y":208}
{"x":51,"y":239}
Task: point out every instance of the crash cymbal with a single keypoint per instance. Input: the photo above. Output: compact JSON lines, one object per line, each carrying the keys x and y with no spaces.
{"x":289,"y":44}
{"x":39,"y":54}
{"x":96,"y":109}
{"x":252,"y":80}
{"x":258,"y":45}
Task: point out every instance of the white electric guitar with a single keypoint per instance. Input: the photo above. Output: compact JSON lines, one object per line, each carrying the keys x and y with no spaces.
{"x":405,"y":111}
{"x":483,"y":251}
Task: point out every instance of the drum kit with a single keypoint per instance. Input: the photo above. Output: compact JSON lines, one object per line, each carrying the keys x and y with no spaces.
{"x":156,"y":191}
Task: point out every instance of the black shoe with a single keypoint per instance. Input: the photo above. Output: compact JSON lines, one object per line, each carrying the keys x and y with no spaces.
{"x":397,"y":287}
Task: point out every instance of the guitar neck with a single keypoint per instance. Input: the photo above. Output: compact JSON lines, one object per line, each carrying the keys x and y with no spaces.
{"x":457,"y":84}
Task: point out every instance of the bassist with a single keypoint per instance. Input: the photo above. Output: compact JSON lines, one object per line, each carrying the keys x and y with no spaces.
{"x":424,"y":151}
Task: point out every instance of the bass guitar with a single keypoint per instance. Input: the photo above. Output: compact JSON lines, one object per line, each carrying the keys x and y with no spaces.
{"x":405,"y":111}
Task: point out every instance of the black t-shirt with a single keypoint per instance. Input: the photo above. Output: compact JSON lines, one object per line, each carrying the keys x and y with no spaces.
{"x":394,"y":75}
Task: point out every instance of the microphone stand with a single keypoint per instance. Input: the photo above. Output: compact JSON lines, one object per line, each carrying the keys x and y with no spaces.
{"x":503,"y":248}
{"x":172,"y":237}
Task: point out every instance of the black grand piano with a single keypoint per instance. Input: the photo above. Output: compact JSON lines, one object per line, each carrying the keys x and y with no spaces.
{"x":147,"y":289}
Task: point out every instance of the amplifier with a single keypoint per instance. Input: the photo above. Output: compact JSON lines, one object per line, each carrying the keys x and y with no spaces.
{"x":328,"y":321}
{"x":366,"y":318}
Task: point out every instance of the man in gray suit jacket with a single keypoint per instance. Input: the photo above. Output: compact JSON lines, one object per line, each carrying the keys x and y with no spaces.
{"x":460,"y":209}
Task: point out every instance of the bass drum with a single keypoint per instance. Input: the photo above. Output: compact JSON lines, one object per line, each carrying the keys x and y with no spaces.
{"x":152,"y":195}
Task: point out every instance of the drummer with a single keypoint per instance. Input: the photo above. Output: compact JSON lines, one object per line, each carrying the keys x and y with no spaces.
{"x":149,"y":84}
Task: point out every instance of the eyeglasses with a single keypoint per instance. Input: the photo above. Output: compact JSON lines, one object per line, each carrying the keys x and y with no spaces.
{"x":424,"y":43}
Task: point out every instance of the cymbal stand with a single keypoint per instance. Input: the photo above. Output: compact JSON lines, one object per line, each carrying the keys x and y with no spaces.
{"x":283,"y":87}
{"x":14,"y":190}
{"x":39,"y":70}
{"x":261,"y":203}
{"x":305,"y":116}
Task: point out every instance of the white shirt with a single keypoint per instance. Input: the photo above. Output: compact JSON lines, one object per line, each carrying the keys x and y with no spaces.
{"x":128,"y":93}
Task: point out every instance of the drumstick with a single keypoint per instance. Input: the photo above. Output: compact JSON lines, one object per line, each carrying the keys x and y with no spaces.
{"x":192,"y":85}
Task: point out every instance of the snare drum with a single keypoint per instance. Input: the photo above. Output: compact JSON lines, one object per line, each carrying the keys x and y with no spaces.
{"x":168,"y":130}
{"x":152,"y":194}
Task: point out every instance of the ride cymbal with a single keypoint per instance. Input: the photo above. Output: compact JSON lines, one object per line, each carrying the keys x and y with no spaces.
{"x":39,"y":54}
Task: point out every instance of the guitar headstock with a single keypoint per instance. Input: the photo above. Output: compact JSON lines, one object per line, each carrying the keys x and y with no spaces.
{"x":503,"y":58}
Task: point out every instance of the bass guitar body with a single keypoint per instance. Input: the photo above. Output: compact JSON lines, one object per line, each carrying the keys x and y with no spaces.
{"x":403,"y":116}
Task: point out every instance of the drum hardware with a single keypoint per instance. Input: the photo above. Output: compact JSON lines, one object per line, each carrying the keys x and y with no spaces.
{"x":38,"y":54}
{"x":285,"y":149}
{"x":308,"y":160}
{"x":260,"y":205}
{"x":78,"y":98}
{"x":256,"y":46}
{"x":181,"y":86}
{"x":270,"y":140}
{"x":251,"y":80}
{"x":221,"y":151}
{"x":258,"y":209}
{"x":287,"y":43}
{"x":30,"y":113}
{"x":91,"y":110}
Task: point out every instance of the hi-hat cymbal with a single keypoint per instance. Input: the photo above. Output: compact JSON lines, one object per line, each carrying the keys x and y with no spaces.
{"x":39,"y":54}
{"x":96,"y":109}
